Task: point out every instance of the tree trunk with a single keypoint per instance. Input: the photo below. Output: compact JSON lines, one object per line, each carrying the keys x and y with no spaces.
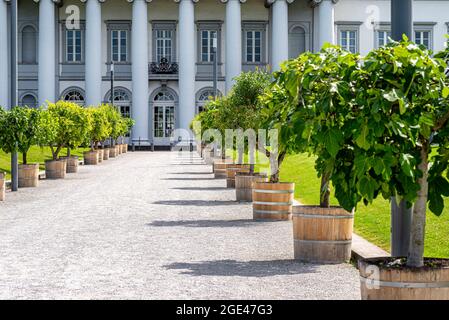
{"x":56,"y":153}
{"x":275,"y":164}
{"x":69,"y":153}
{"x":252,"y":160}
{"x":53,"y":153}
{"x":240,"y":156}
{"x":325,"y":191}
{"x":416,"y":251}
{"x":24,"y":158}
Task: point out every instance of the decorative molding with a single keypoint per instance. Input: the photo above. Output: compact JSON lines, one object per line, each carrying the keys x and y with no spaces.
{"x":270,"y":2}
{"x":187,"y":0}
{"x":102,"y":1}
{"x":225,"y":1}
{"x":55,"y":1}
{"x":316,"y":3}
{"x":147,"y":1}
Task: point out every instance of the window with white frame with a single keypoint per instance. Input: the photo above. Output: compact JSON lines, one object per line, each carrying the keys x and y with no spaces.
{"x":348,"y":40}
{"x":164,"y":44}
{"x":73,"y":46}
{"x":253,"y":46}
{"x":423,"y":37}
{"x":382,"y":37}
{"x":119,"y":45}
{"x":207,"y":42}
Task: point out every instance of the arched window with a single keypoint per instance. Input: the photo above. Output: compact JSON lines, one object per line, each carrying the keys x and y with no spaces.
{"x":297,"y":42}
{"x":204,"y":96}
{"x":29,"y":45}
{"x":74,"y":95}
{"x":29,"y":100}
{"x":164,"y":96}
{"x":121,"y":95}
{"x":122,"y":99}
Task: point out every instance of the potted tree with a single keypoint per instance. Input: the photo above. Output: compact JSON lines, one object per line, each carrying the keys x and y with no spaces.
{"x":319,"y":96}
{"x":99,"y":131}
{"x":113,"y":116}
{"x":244,"y":116}
{"x":273,"y":200}
{"x":77,"y":126}
{"x":19,"y":129}
{"x":400,"y":139}
{"x":50,"y":126}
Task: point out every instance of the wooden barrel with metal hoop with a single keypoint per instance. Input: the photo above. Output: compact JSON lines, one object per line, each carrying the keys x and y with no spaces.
{"x":232,"y":170}
{"x":28,"y":175}
{"x":100,"y":155}
{"x":322,"y":235}
{"x":2,"y":186}
{"x":90,"y":158}
{"x":273,"y":201}
{"x":55,"y":169}
{"x":403,"y":283}
{"x":106,"y":154}
{"x":219,"y":167}
{"x":244,"y":185}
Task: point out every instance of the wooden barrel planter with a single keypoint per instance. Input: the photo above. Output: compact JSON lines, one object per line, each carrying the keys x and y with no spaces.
{"x":273,"y":201}
{"x":90,"y":158}
{"x":380,"y":282}
{"x":55,"y":169}
{"x":322,"y":235}
{"x":244,"y":185}
{"x":219,"y":168}
{"x":72,"y":164}
{"x":106,"y":154}
{"x":100,"y":155}
{"x":28,"y":175}
{"x":232,"y":170}
{"x":113,"y":152}
{"x":2,"y":186}
{"x":118,"y":150}
{"x":124,"y":148}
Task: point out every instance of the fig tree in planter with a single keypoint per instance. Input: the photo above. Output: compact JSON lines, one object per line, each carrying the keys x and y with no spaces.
{"x":19,"y":128}
{"x":64,"y":124}
{"x":400,"y":149}
{"x":114,"y":119}
{"x":319,"y":98}
{"x":100,"y":130}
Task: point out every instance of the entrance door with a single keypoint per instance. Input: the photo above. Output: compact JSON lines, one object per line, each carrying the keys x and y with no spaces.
{"x":164,"y":124}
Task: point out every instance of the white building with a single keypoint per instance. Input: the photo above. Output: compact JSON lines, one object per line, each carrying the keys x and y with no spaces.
{"x":162,"y":49}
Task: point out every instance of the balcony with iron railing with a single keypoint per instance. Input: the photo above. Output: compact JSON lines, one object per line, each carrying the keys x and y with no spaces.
{"x":163,"y":69}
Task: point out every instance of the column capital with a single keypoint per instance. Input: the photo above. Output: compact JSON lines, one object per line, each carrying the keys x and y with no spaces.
{"x":147,"y":1}
{"x":187,"y":0}
{"x":102,"y":1}
{"x":316,"y":3}
{"x":37,"y":1}
{"x":225,"y":1}
{"x":270,"y":2}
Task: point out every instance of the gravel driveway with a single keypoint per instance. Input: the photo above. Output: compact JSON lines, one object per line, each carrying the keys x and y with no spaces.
{"x":151,"y":226}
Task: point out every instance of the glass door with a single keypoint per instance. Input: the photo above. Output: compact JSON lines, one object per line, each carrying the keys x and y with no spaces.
{"x":164,"y":124}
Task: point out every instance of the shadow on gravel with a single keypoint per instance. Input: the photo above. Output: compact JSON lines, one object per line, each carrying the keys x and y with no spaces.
{"x":201,"y":188}
{"x":199,"y":203}
{"x":189,"y":179}
{"x":257,"y":269}
{"x":206,"y":223}
{"x":191,"y":173}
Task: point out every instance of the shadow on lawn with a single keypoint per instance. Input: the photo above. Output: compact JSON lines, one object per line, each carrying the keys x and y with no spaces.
{"x":199,"y":203}
{"x":206,"y":223}
{"x":257,"y":269}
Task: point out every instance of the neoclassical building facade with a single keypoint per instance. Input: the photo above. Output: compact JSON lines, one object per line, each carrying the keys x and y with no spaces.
{"x":163,"y":50}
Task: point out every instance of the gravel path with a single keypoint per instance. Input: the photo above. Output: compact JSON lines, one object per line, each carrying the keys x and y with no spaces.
{"x":151,"y":226}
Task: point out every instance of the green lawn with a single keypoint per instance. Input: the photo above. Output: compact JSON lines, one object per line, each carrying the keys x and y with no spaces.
{"x":35,"y":155}
{"x":371,"y":222}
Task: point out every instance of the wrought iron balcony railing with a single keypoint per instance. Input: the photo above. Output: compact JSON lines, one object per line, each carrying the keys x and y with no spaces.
{"x":164,"y":67}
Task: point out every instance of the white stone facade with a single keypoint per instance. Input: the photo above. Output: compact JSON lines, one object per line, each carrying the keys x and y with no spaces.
{"x":55,"y":63}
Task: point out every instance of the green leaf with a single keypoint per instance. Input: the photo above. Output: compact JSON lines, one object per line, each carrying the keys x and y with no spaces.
{"x":445,"y":92}
{"x":362,"y":140}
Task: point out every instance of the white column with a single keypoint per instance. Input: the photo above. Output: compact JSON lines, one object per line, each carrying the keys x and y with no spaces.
{"x":93,"y":52}
{"x":326,"y":29}
{"x":186,"y":62}
{"x":233,"y":41}
{"x":47,"y":51}
{"x":139,"y":56}
{"x":279,"y":35}
{"x":4,"y":87}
